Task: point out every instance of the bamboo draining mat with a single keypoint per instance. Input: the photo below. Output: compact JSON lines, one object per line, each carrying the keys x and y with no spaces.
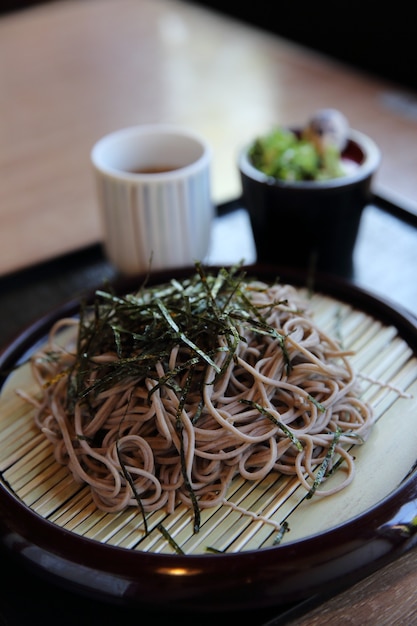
{"x":388,"y":375}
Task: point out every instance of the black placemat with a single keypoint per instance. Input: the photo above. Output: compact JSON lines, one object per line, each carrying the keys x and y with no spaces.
{"x":384,"y":260}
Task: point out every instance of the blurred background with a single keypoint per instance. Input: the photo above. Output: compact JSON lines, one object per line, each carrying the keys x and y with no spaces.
{"x":370,"y":35}
{"x":376,"y":37}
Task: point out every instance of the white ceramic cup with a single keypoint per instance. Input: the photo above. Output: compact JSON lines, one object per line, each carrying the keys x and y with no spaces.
{"x":153,"y":184}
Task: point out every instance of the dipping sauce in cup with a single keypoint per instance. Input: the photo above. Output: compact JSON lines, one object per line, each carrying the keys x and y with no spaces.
{"x":153,"y":184}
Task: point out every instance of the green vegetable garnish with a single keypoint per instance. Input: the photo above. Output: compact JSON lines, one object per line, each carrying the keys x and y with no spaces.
{"x":283,"y":155}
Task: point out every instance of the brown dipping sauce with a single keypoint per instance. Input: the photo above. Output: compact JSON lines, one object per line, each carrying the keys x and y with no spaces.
{"x":154,"y":170}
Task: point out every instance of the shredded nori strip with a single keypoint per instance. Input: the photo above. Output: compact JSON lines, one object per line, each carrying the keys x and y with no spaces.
{"x":323,"y":468}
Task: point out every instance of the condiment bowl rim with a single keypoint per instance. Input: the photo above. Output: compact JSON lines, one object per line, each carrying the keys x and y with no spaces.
{"x":370,"y":163}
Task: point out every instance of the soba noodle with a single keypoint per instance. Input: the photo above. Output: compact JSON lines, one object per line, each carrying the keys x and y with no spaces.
{"x":267,"y":392}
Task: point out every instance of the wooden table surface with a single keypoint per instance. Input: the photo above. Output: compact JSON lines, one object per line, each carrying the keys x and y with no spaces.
{"x":71,"y":71}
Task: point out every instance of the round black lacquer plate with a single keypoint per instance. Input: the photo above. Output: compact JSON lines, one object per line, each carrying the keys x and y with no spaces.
{"x":53,"y":528}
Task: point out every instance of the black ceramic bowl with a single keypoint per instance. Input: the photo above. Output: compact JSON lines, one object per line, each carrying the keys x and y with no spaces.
{"x":310,"y":224}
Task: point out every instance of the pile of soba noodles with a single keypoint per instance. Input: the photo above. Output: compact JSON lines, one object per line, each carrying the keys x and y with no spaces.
{"x":166,"y":394}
